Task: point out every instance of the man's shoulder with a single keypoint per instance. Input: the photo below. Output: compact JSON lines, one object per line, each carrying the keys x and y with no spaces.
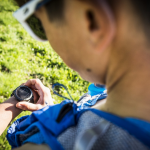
{"x":113,"y":136}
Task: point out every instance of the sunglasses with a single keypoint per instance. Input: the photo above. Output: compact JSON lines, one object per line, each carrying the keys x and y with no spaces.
{"x":25,"y":15}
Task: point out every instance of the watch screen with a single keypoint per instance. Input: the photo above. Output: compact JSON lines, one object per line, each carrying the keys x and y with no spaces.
{"x":23,"y":93}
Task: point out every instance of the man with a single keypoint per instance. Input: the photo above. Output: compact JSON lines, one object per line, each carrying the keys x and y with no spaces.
{"x":106,"y":42}
{"x":107,"y":34}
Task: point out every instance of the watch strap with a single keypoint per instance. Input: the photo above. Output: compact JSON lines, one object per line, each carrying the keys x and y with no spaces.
{"x":12,"y":94}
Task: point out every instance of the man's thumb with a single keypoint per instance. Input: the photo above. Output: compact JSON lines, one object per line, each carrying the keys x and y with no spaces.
{"x":27,"y":106}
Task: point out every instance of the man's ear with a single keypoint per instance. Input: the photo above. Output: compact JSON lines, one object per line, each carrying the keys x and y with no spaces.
{"x":101,"y":24}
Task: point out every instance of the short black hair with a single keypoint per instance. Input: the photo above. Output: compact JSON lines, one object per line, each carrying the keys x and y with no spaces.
{"x":55,"y":8}
{"x":142,"y":10}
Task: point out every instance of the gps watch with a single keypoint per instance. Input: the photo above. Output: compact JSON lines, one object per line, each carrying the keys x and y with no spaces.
{"x":23,"y":93}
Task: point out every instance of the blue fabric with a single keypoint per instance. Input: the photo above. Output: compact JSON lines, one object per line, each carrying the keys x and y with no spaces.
{"x":35,"y":138}
{"x":49,"y":129}
{"x":130,"y":127}
{"x":94,"y":94}
{"x":94,"y":90}
{"x":140,"y":123}
{"x":45,"y":121}
{"x":89,"y":101}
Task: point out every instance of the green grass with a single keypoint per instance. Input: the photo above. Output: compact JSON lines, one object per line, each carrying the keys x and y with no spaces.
{"x":23,"y":58}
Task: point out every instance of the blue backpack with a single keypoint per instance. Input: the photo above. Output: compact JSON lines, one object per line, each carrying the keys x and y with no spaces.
{"x":53,"y":120}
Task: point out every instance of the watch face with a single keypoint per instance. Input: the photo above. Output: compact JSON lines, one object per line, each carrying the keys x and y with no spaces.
{"x":23,"y":93}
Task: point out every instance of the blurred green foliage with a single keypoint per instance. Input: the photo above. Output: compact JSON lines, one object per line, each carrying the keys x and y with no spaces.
{"x":23,"y":58}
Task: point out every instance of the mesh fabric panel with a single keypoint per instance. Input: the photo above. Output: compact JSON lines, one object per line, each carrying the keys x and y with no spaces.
{"x":114,"y":139}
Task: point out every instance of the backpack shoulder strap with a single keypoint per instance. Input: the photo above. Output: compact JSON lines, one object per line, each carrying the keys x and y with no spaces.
{"x":131,"y":128}
{"x":87,"y":139}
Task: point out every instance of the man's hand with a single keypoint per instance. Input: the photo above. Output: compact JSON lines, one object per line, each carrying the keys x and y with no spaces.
{"x":42,"y":96}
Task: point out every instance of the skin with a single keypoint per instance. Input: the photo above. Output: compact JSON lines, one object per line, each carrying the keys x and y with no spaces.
{"x":109,"y":54}
{"x":115,"y":53}
{"x":8,"y":112}
{"x":11,"y":108}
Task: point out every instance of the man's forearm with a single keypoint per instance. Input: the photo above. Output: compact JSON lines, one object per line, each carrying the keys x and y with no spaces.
{"x":8,"y":111}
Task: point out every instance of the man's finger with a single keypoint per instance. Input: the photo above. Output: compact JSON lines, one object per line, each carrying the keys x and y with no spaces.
{"x":36,"y":96}
{"x":28,"y":106}
{"x":35,"y":83}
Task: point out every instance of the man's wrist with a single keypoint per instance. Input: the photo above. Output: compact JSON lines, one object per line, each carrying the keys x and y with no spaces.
{"x":11,"y":102}
{"x":8,"y":111}
{"x":12,"y":99}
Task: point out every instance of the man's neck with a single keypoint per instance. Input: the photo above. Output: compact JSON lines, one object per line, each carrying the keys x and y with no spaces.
{"x":129,"y":90}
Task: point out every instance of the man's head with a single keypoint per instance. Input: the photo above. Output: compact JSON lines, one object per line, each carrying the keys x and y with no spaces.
{"x":94,"y":36}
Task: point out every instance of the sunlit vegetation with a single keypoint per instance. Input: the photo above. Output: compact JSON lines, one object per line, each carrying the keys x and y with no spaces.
{"x":23,"y":58}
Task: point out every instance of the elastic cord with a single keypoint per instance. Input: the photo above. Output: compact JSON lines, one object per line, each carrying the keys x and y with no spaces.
{"x":61,"y":85}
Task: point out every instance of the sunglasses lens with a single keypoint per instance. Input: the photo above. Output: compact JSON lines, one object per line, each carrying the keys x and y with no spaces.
{"x":36,"y":26}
